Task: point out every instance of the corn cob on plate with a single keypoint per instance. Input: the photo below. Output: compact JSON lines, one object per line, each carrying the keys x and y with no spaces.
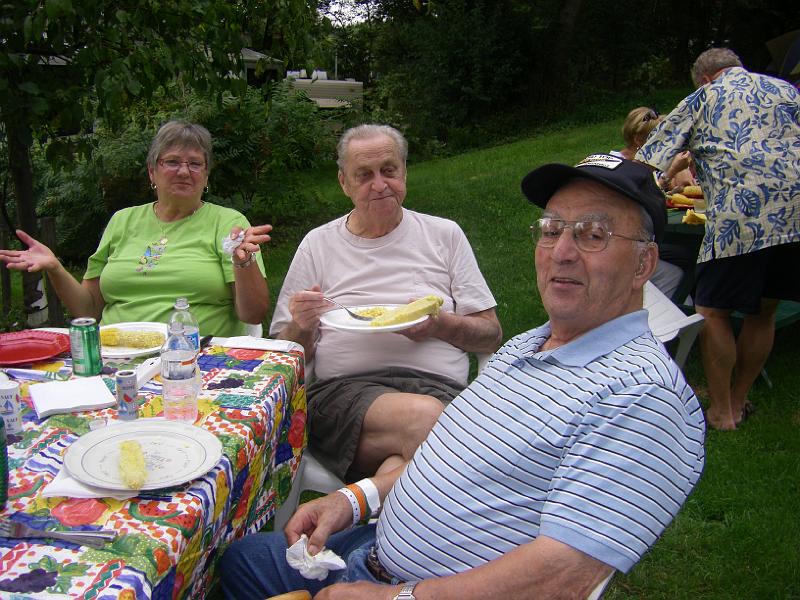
{"x":388,"y":317}
{"x":123,"y":340}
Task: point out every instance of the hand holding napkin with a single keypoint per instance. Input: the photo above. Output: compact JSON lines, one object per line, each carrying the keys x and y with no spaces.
{"x":312,"y":567}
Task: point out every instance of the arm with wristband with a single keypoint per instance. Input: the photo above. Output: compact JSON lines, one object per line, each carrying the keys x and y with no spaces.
{"x":321,"y":518}
{"x":364,"y":498}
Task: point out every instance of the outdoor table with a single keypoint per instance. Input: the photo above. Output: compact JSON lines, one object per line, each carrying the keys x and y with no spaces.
{"x":169,"y":540}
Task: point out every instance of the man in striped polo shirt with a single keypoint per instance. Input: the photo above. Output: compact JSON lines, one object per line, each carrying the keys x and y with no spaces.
{"x":564,"y":460}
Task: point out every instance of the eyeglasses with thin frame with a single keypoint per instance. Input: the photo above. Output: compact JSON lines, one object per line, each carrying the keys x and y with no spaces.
{"x":590,"y":236}
{"x":173,"y":165}
{"x":650,"y":115}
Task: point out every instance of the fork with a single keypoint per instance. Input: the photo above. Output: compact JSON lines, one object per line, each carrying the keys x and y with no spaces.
{"x":94,"y":539}
{"x":348,"y":311}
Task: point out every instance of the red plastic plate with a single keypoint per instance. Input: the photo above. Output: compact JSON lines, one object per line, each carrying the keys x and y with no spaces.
{"x":22,"y":347}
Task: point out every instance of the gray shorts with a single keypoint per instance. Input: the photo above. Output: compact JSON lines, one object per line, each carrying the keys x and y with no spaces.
{"x":336,"y":409}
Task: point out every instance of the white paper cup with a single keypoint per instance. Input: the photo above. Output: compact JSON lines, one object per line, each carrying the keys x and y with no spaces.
{"x":9,"y":406}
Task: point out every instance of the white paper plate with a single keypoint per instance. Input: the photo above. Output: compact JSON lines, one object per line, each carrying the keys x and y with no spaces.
{"x":174,"y":453}
{"x":127,"y":351}
{"x":339,"y":319}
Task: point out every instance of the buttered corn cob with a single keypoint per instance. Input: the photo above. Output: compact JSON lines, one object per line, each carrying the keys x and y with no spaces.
{"x":112,"y":336}
{"x":132,"y":469}
{"x":429,"y":305}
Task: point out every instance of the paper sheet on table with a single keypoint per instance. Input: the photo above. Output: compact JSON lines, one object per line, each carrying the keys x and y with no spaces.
{"x":84,"y":393}
{"x":64,"y":485}
{"x":312,"y":567}
{"x":254,"y":343}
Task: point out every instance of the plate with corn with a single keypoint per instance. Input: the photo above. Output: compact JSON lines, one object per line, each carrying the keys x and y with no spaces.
{"x":385,"y":318}
{"x":126,"y":340}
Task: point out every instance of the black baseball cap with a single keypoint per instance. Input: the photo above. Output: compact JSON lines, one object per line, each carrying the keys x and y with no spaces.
{"x":631,"y":178}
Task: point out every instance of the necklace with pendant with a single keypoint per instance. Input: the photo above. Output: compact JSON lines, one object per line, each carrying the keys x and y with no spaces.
{"x":155,"y":250}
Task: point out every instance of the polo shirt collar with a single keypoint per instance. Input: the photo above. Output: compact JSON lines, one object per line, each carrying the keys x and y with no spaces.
{"x":597,"y":342}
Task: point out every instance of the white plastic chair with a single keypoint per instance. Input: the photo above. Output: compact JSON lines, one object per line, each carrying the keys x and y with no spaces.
{"x":668,"y":322}
{"x":598,"y":592}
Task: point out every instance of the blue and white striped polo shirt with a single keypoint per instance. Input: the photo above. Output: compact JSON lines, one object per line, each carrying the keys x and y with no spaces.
{"x":596,"y":444}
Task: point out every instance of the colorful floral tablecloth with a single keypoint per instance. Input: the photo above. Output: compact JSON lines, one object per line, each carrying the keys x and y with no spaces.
{"x":252,"y":400}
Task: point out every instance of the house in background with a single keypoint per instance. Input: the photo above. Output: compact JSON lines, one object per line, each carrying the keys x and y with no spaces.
{"x":328,"y":93}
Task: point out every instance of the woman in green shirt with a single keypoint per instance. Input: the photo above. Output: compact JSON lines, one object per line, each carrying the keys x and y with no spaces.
{"x":153,"y":253}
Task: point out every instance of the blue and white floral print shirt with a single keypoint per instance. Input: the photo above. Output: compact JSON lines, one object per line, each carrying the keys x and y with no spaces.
{"x":743,"y":130}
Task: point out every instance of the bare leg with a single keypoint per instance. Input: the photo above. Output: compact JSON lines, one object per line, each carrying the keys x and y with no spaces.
{"x":718,"y":351}
{"x":394,"y":426}
{"x":752,"y":350}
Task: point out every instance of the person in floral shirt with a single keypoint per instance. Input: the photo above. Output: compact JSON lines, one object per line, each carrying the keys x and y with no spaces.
{"x":743,"y":130}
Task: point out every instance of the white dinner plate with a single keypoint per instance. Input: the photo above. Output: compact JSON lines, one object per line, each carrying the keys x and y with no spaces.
{"x":174,"y":453}
{"x":127,"y":351}
{"x":339,"y":319}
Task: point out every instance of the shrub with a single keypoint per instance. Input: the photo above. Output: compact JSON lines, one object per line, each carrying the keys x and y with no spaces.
{"x":260,"y":142}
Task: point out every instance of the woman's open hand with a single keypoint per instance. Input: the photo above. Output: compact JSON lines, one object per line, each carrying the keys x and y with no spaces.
{"x":37,"y":257}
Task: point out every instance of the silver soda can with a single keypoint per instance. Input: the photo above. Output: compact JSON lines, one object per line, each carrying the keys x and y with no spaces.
{"x":9,"y":406}
{"x":84,"y":341}
{"x":127,"y":394}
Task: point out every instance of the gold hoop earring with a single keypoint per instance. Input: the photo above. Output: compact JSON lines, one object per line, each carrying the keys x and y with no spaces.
{"x":153,"y":185}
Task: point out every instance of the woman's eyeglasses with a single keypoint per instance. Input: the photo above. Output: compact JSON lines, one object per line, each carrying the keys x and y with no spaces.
{"x":589,"y":236}
{"x":175,"y":165}
{"x":650,"y":115}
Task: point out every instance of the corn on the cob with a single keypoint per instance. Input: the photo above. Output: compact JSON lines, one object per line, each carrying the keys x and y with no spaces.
{"x":429,"y":305}
{"x":693,"y":191}
{"x":113,"y":336}
{"x":132,"y":469}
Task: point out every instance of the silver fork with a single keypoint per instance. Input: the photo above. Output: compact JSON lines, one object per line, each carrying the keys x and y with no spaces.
{"x":348,"y":311}
{"x":94,"y":539}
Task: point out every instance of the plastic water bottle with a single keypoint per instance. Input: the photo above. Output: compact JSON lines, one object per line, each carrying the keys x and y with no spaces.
{"x":178,"y":355}
{"x":179,"y":376}
{"x":191,"y":328}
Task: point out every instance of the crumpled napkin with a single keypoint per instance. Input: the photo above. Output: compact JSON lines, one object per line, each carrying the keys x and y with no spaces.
{"x":64,"y":485}
{"x":312,"y":567}
{"x":230,"y":245}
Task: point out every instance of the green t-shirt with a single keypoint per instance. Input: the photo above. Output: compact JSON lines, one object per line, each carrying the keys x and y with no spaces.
{"x":144,"y":265}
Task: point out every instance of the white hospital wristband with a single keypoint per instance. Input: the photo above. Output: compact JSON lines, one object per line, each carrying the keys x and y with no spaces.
{"x":373,"y":497}
{"x":353,"y":503}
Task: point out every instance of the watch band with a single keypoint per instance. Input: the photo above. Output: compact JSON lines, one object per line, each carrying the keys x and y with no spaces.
{"x":407,"y":592}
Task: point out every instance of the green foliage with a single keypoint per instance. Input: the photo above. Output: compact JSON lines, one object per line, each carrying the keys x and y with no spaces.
{"x":259,"y":146}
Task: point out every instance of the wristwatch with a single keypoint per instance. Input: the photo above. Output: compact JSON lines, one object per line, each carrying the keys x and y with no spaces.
{"x":407,"y":592}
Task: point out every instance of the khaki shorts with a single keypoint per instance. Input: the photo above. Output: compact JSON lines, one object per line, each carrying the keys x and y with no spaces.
{"x":336,"y":409}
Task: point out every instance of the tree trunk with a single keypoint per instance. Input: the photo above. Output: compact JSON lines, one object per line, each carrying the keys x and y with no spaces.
{"x":5,"y":276}
{"x":559,"y":76}
{"x":19,"y":163}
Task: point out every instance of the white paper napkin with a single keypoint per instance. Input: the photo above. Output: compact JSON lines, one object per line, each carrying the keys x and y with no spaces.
{"x":254,"y":343}
{"x":64,"y":485}
{"x":83,"y":393}
{"x":312,"y":567}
